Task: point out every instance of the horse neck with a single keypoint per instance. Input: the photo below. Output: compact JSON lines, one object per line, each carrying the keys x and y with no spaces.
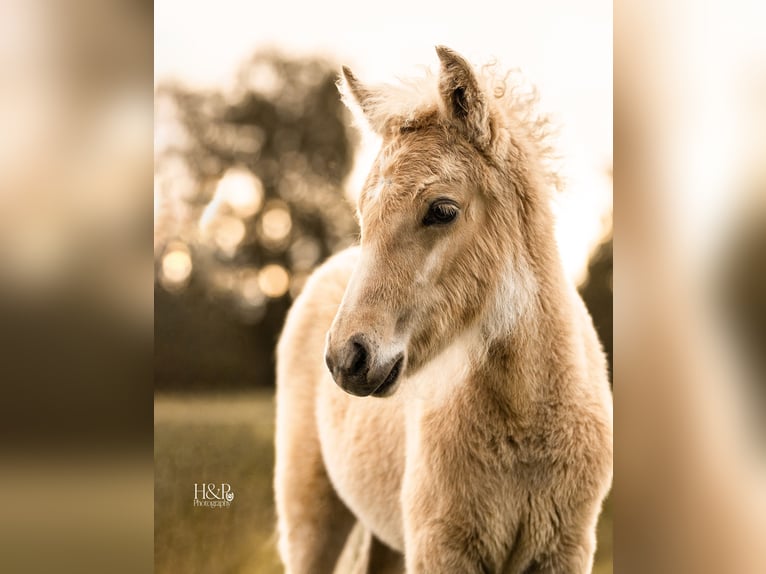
{"x":528,"y":333}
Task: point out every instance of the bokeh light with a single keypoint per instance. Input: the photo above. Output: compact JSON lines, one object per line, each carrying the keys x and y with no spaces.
{"x":241,"y":190}
{"x":176,"y":267}
{"x":276,"y":223}
{"x":304,"y":253}
{"x":250,"y":288}
{"x":229,"y":233}
{"x":274,"y":280}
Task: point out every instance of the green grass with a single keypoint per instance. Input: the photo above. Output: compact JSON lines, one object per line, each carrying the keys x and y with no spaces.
{"x":230,"y":439}
{"x":603,"y":563}
{"x":214,"y":440}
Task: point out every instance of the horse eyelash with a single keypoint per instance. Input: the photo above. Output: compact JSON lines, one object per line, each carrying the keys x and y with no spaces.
{"x":440,"y":203}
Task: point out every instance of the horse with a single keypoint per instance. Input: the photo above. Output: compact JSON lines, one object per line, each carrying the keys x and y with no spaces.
{"x":441,"y":384}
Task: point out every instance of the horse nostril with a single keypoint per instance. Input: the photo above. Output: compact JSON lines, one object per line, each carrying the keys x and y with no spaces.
{"x":357,"y":364}
{"x":355,"y":360}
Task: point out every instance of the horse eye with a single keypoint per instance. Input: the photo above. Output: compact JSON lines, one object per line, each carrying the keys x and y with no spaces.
{"x":440,"y":213}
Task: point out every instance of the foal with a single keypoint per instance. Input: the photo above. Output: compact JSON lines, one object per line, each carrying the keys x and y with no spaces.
{"x":442,"y":383}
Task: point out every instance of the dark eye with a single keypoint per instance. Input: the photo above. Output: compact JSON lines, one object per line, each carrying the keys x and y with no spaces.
{"x":441,"y":212}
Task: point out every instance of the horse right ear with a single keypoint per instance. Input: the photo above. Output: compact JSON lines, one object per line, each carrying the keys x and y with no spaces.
{"x":360,"y":100}
{"x":463,"y":99}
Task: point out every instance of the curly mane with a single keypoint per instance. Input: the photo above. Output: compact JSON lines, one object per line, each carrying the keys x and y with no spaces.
{"x":390,"y":107}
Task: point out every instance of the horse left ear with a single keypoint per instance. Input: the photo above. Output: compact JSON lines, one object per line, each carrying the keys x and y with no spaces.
{"x":463,"y":98}
{"x":361,"y":100}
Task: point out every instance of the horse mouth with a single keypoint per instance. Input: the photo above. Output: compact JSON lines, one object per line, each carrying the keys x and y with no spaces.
{"x":388,"y":383}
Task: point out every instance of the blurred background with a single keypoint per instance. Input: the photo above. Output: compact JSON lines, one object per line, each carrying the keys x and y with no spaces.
{"x":235,"y":231}
{"x":256,"y":168}
{"x":76,"y":276}
{"x":690,"y":263}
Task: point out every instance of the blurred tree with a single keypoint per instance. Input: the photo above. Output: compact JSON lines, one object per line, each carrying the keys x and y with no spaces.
{"x":597,"y":294}
{"x":249,"y":199}
{"x":742,"y":291}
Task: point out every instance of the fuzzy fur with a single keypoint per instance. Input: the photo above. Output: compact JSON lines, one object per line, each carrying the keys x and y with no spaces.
{"x":494,"y":451}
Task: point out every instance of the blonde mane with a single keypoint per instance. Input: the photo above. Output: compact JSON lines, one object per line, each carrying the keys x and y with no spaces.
{"x":393,"y":106}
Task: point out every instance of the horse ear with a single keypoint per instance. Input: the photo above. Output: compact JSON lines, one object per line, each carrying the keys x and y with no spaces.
{"x":359,"y":98}
{"x":463,"y":98}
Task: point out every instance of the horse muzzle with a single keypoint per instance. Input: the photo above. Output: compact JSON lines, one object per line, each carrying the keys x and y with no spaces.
{"x":360,"y":368}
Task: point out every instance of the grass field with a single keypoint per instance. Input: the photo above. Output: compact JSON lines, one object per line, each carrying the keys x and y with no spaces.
{"x":230,"y":439}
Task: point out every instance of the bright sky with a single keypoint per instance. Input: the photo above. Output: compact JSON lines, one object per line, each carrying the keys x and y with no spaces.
{"x":563,"y":47}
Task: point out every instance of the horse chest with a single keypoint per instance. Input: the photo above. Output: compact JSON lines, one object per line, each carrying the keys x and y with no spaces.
{"x":363,"y":446}
{"x":366,"y":443}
